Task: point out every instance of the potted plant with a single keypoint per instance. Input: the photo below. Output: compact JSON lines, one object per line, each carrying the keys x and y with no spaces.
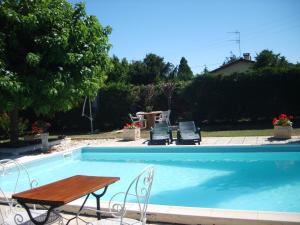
{"x":132,"y":131}
{"x":40,"y":128}
{"x":283,"y":126}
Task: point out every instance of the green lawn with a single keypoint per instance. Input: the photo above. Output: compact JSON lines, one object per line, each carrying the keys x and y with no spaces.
{"x":145,"y":134}
{"x":237,"y":133}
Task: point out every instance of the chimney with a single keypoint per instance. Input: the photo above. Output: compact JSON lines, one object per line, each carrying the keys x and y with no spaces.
{"x":247,"y":56}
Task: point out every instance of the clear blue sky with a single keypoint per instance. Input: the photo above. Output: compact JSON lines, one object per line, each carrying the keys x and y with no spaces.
{"x":198,"y":29}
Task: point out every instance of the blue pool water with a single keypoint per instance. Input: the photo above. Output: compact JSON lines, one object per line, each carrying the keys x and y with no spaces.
{"x":246,"y":178}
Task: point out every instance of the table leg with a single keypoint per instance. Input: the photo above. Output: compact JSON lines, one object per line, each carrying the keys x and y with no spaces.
{"x":98,"y":202}
{"x":150,"y":120}
{"x":86,"y":198}
{"x":31,"y":217}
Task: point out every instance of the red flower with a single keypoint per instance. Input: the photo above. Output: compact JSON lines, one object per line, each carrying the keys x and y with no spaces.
{"x":132,"y":125}
{"x":137,"y":124}
{"x":283,"y":116}
{"x":40,"y":127}
{"x":275,"y":120}
{"x":282,"y":120}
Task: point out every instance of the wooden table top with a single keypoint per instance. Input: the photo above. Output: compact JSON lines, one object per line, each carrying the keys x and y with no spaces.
{"x":64,"y":191}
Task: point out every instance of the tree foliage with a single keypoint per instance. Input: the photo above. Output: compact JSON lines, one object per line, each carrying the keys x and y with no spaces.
{"x":119,"y":71}
{"x":268,"y":58}
{"x":151,"y":70}
{"x":51,"y":55}
{"x":168,"y":89}
{"x":210,"y":98}
{"x":252,"y":95}
{"x":116,"y":100}
{"x":184,"y":71}
{"x":230,"y":59}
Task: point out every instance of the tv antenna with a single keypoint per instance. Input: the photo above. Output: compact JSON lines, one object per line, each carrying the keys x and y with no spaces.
{"x":237,"y":40}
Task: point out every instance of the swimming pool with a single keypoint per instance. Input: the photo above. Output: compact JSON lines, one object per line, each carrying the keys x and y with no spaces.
{"x":263,"y":178}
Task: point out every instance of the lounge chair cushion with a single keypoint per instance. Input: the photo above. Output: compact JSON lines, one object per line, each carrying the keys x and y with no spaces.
{"x":188,"y":132}
{"x":189,"y":136}
{"x":160,"y":132}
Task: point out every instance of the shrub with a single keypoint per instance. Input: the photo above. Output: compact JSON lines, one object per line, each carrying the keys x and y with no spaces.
{"x":115,"y":101}
{"x":5,"y":124}
{"x":244,"y":95}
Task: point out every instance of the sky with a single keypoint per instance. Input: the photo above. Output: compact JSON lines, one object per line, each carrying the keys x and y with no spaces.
{"x":199,"y":30}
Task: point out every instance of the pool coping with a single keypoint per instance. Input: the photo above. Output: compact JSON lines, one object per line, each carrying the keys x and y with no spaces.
{"x":28,"y":158}
{"x":186,"y":215}
{"x":195,"y":215}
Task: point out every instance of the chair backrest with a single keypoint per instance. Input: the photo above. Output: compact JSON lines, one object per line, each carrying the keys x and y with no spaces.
{"x":140,"y":189}
{"x":187,"y":125}
{"x":141,"y":117}
{"x":165,"y":117}
{"x":131,"y":117}
{"x":136,"y":118}
{"x":163,"y":124}
{"x":5,"y":210}
{"x":15,"y":171}
{"x":160,"y":128}
{"x":2,"y":216}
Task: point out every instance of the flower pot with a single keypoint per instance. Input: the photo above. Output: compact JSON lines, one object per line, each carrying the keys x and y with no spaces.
{"x":29,"y":137}
{"x":131,"y":134}
{"x":45,"y":143}
{"x":283,"y":132}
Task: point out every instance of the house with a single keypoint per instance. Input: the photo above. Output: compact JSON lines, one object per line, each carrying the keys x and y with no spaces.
{"x":238,"y":66}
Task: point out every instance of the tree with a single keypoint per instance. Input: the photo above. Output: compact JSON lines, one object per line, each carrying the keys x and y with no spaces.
{"x":119,"y":71}
{"x":184,"y":71}
{"x":230,"y":59}
{"x":170,"y":71}
{"x":205,"y":70}
{"x":155,"y":67}
{"x":149,"y":93}
{"x":151,"y":70}
{"x":136,"y":74}
{"x":51,"y":55}
{"x":268,"y":58}
{"x":168,"y":89}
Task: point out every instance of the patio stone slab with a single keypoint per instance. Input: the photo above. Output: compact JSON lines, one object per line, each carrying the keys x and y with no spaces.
{"x":236,"y":141}
{"x":250,"y":141}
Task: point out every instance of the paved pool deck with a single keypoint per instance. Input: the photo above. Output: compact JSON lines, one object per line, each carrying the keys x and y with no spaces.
{"x":206,"y":141}
{"x":117,"y":142}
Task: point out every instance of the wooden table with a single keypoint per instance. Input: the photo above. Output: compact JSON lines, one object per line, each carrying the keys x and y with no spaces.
{"x":150,"y":117}
{"x":64,"y":191}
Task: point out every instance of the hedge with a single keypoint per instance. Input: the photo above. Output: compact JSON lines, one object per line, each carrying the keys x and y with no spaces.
{"x":239,"y":96}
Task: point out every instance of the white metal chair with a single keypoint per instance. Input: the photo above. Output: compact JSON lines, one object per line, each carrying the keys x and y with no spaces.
{"x":140,"y":189}
{"x":164,"y":117}
{"x":138,"y":118}
{"x":11,"y":212}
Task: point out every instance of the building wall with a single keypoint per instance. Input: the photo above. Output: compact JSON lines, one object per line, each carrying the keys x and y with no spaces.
{"x":235,"y":68}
